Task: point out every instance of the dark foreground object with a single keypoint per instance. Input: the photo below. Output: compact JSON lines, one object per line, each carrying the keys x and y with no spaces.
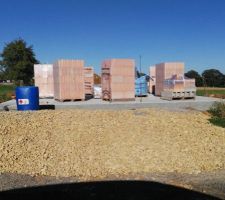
{"x":47,"y":107}
{"x":135,"y":190}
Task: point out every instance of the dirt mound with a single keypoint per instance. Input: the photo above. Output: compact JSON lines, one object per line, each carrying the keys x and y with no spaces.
{"x":96,"y":144}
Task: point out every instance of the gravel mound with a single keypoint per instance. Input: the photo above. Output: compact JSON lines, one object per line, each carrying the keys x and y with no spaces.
{"x":93,"y":144}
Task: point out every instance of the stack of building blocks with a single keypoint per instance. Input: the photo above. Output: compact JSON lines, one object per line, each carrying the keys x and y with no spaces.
{"x":88,"y":80}
{"x":118,"y":78}
{"x":43,"y":79}
{"x":167,"y":71}
{"x":69,"y":80}
{"x":152,"y":79}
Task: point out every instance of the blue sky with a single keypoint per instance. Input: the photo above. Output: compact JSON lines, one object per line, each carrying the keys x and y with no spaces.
{"x":192,"y":31}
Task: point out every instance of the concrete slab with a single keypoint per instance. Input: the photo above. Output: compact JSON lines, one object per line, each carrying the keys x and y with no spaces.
{"x":200,"y":103}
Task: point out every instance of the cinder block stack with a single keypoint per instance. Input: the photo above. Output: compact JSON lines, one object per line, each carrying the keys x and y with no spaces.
{"x":167,"y":71}
{"x":89,"y":80}
{"x":152,"y":79}
{"x":189,"y":84}
{"x":118,"y":78}
{"x":69,"y":80}
{"x":43,"y":79}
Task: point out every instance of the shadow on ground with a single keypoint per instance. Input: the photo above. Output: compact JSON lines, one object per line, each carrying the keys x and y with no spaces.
{"x":135,"y":190}
{"x":88,"y":97}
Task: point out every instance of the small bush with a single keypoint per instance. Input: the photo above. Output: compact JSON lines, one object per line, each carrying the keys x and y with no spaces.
{"x":217,"y":121}
{"x":6,"y":92}
{"x":218,"y":114}
{"x":4,"y":98}
{"x":218,"y":110}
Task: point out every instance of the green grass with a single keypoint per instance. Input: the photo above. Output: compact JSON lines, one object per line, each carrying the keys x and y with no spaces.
{"x":6,"y":92}
{"x":218,"y":121}
{"x":202,"y":92}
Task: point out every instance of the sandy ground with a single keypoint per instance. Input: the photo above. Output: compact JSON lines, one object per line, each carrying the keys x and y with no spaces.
{"x":92,"y":145}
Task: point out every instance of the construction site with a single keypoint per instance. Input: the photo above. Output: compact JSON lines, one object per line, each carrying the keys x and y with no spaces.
{"x":69,"y":80}
{"x":118,"y":100}
{"x":69,"y":84}
{"x":129,"y":126}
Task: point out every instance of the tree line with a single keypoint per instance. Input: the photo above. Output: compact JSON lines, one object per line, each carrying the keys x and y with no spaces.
{"x":208,"y":78}
{"x":17,"y":60}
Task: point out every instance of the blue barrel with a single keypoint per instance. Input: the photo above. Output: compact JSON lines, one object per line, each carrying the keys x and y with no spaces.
{"x":27,"y":98}
{"x":141,"y":86}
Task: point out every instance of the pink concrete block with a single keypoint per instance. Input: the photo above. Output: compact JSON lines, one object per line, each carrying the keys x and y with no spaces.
{"x":89,"y":80}
{"x":167,"y":71}
{"x":118,"y":77}
{"x":152,"y":79}
{"x":69,"y":79}
{"x":43,"y":79}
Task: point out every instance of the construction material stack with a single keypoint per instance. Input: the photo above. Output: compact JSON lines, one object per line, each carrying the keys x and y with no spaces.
{"x":152,"y":80}
{"x":97,"y":92}
{"x":189,"y":84}
{"x":174,"y":84}
{"x":118,"y":78}
{"x":88,"y":80}
{"x":167,"y":71}
{"x":43,"y":79}
{"x":141,"y":87}
{"x":69,"y":80}
{"x":171,"y":83}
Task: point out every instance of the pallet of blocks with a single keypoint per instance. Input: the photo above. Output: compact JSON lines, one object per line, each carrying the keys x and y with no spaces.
{"x":179,"y":88}
{"x":152,"y":80}
{"x":166,"y":71}
{"x":89,"y":80}
{"x":43,"y":79}
{"x":69,"y":80}
{"x":118,"y":78}
{"x":170,"y":95}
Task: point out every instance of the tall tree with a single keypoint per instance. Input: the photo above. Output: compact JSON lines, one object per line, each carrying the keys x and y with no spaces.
{"x":18,"y":60}
{"x":213,"y":78}
{"x":196,"y":76}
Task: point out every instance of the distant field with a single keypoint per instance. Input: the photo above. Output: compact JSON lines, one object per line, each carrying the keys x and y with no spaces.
{"x":6,"y":91}
{"x":211,"y":91}
{"x":210,"y":88}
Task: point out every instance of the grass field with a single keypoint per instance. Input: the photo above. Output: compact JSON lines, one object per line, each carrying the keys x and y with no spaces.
{"x":210,"y":91}
{"x":6,"y":91}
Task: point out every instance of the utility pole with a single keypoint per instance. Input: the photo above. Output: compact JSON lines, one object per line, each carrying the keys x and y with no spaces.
{"x":140,"y":63}
{"x":140,"y":81}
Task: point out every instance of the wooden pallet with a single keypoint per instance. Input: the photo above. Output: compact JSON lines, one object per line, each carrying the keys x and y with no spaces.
{"x":117,"y":100}
{"x":46,"y":97}
{"x":170,"y":95}
{"x":126,"y":99}
{"x":66,"y":100}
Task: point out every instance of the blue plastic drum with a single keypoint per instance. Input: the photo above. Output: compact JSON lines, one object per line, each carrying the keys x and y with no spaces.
{"x":27,"y":98}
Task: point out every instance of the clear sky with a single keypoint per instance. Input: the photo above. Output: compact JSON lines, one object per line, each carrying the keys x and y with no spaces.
{"x":192,"y":31}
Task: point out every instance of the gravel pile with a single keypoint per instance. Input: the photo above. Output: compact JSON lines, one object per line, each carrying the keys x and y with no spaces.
{"x":97,"y":144}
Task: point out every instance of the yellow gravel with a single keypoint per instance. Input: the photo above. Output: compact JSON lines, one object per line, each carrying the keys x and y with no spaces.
{"x":93,"y":144}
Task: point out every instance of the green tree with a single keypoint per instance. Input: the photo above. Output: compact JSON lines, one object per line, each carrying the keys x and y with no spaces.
{"x":17,"y":61}
{"x":213,"y":78}
{"x":196,"y":76}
